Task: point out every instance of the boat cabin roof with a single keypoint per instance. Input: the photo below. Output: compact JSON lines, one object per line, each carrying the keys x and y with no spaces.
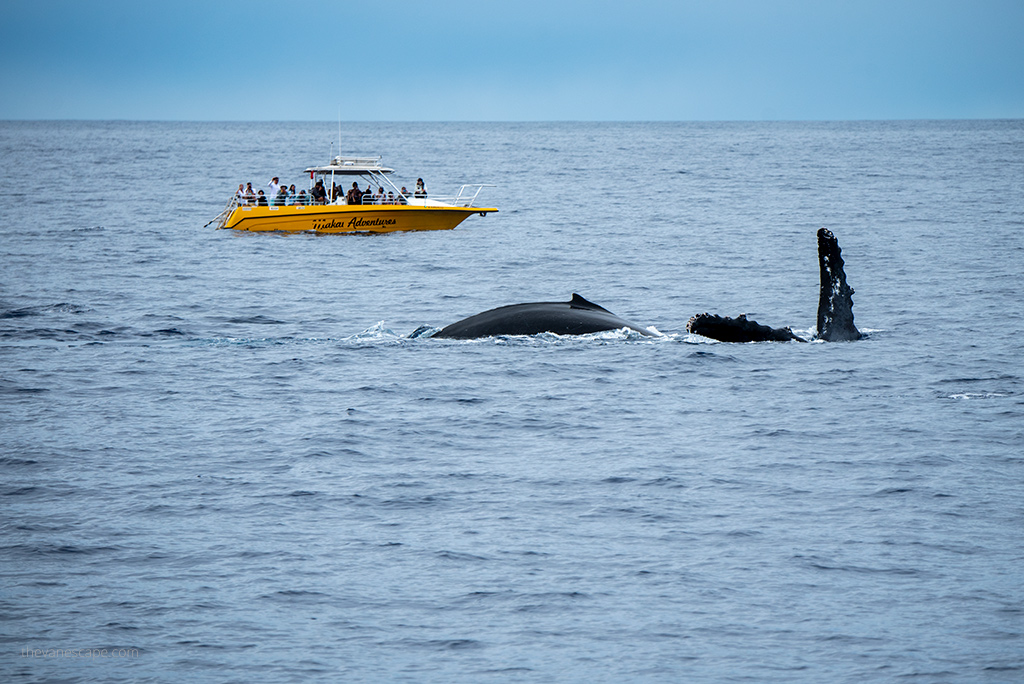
{"x":353,"y":166}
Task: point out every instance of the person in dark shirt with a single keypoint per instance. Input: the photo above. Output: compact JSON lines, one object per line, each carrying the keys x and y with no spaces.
{"x":354,"y":196}
{"x":318,"y":193}
{"x":281,"y":198}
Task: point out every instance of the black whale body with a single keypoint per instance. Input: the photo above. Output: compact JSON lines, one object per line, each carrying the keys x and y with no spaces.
{"x":575,"y":317}
{"x":579,"y":316}
{"x":739,"y":329}
{"x":835,"y":307}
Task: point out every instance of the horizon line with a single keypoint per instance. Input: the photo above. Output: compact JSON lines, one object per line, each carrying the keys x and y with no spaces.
{"x":507,"y":121}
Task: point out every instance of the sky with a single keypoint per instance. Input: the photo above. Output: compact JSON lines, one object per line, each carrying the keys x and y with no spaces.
{"x":514,"y":60}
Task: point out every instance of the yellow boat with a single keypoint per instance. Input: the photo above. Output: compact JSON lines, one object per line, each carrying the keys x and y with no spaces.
{"x":384,"y":211}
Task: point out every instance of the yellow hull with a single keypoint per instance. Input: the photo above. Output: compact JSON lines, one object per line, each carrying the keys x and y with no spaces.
{"x":344,"y":218}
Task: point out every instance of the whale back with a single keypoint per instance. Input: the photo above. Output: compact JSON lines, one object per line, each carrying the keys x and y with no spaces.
{"x":575,"y":317}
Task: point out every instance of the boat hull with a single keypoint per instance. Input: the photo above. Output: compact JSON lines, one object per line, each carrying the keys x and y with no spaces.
{"x":344,"y":218}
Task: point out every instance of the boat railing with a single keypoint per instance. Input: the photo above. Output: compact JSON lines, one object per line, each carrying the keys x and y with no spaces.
{"x":465,"y":197}
{"x":221,"y":219}
{"x":370,"y":162}
{"x":370,"y":198}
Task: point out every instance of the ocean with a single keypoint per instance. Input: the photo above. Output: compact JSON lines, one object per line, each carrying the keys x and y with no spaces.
{"x":224,"y":458}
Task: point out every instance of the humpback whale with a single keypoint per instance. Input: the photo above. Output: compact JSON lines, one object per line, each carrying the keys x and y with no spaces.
{"x":579,"y":316}
{"x":575,"y":317}
{"x":835,"y":307}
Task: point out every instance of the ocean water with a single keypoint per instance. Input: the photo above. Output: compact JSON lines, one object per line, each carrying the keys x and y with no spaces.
{"x":224,"y":459}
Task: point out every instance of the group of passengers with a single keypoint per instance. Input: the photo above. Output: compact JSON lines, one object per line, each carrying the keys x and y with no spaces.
{"x":277,"y":195}
{"x":368,"y":196}
{"x":280,"y":195}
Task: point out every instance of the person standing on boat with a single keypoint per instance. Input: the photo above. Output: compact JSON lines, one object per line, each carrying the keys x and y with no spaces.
{"x":274,"y":186}
{"x":250,"y":196}
{"x":421,"y":189}
{"x":240,"y":195}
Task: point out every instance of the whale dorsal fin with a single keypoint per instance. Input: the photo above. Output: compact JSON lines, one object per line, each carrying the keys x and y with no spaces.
{"x":581,"y":303}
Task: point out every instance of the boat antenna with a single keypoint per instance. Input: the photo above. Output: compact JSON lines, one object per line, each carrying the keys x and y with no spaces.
{"x":339,"y":130}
